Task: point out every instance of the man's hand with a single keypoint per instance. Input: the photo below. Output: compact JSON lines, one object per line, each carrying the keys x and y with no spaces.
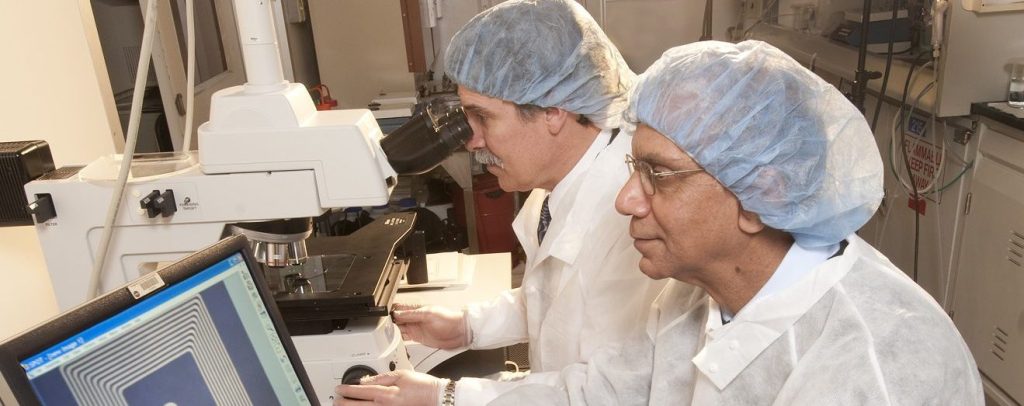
{"x":433,"y":326}
{"x":398,"y":388}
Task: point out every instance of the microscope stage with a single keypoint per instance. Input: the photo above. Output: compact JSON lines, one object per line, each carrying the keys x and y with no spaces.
{"x":347,"y":277}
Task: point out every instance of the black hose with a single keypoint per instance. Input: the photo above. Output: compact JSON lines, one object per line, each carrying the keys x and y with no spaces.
{"x":888,"y":65}
{"x":906,"y":163}
{"x":705,"y":34}
{"x":860,"y":77}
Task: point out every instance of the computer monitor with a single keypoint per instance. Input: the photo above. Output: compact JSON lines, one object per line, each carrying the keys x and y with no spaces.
{"x":202,"y":331}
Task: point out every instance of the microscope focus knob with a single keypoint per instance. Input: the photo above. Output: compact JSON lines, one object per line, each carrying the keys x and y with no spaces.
{"x":166,"y":202}
{"x":159,"y":203}
{"x":354,"y":374}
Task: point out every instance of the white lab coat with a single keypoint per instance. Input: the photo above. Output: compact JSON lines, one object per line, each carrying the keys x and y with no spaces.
{"x":582,"y":288}
{"x":856,"y":331}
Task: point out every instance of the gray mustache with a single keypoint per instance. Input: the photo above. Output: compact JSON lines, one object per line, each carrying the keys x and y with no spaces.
{"x":487,"y":158}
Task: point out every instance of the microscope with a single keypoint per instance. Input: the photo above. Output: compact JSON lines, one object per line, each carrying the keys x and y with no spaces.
{"x":268,"y":163}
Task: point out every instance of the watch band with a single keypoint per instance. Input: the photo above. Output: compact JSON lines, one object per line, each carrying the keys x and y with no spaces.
{"x":449,"y":394}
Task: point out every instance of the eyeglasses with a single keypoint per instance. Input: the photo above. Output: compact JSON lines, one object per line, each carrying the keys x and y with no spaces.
{"x":648,"y":176}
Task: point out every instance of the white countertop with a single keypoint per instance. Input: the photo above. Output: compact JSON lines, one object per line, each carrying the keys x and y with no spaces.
{"x":487,"y":276}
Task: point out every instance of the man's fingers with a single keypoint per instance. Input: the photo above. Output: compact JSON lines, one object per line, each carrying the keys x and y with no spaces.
{"x":364,"y":392}
{"x":409,"y":316}
{"x":386,"y":379}
{"x":403,"y":306}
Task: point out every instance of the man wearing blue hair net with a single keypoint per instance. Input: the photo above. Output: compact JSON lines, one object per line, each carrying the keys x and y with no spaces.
{"x":544,"y":90}
{"x":751,"y":175}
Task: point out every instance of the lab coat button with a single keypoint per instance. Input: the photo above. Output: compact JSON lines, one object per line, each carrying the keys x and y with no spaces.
{"x":713,"y":368}
{"x":734,"y":345}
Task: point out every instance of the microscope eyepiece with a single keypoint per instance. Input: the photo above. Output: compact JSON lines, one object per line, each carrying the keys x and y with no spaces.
{"x":430,"y":136}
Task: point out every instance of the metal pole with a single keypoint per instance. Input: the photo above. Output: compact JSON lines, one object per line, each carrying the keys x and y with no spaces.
{"x":861,"y":76}
{"x":708,"y":15}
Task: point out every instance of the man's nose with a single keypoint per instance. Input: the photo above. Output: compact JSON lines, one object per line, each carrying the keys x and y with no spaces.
{"x":632,"y":201}
{"x":476,"y":141}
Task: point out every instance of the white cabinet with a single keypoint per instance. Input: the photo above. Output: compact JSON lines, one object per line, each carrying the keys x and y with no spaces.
{"x":989,"y":295}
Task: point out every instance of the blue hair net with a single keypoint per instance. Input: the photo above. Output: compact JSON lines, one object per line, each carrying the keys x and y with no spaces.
{"x":786,"y":143}
{"x":548,"y":53}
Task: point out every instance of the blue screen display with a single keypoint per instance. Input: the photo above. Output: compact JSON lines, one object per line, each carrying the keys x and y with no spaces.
{"x":205,"y":340}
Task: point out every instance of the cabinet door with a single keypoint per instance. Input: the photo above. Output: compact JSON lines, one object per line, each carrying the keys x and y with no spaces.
{"x":989,"y":307}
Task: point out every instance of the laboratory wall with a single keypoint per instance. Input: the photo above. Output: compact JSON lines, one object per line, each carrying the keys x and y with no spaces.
{"x":54,"y":92}
{"x":644,"y":29}
{"x":300,"y":53}
{"x":360,"y":49}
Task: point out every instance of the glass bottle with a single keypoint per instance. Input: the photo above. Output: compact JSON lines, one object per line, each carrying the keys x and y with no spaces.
{"x":1015,"y":97}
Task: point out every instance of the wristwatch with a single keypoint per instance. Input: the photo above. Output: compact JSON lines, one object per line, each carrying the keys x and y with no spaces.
{"x":449,"y":394}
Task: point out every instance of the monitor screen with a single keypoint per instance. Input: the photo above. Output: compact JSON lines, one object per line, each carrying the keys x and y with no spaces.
{"x":205,"y":340}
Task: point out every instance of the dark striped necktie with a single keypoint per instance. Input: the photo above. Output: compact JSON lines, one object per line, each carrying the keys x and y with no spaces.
{"x":545,"y":220}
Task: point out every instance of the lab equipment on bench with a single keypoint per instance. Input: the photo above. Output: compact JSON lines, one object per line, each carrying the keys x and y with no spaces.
{"x":880,"y":29}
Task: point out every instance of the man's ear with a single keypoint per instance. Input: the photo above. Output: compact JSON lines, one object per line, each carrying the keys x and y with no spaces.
{"x":749,"y":222}
{"x":556,"y":119}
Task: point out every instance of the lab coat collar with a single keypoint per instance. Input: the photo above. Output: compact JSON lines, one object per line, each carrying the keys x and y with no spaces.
{"x":797,"y":263}
{"x":525,"y":223}
{"x":571,"y":211}
{"x":730,"y":348}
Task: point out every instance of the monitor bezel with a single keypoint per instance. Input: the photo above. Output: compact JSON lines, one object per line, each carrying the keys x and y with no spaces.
{"x":59,"y":328}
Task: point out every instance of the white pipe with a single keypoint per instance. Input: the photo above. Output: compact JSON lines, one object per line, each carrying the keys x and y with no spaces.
{"x":190,"y":81}
{"x":259,"y":46}
{"x":938,"y":25}
{"x":129,"y":149}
